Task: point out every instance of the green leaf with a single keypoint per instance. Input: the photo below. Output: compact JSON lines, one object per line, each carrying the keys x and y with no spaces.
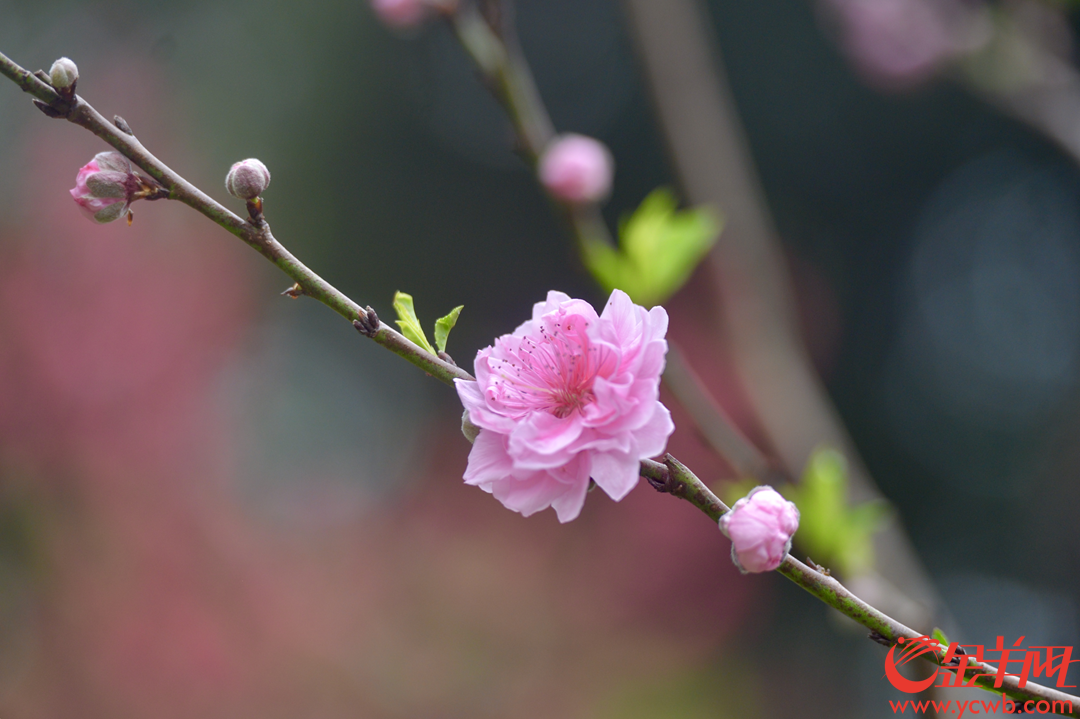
{"x":830,"y":530}
{"x":939,"y":637}
{"x":410,"y":326}
{"x":659,"y":247}
{"x":443,"y":325}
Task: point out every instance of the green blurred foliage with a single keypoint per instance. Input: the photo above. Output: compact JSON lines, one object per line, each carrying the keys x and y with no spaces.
{"x":659,"y":246}
{"x":831,"y":530}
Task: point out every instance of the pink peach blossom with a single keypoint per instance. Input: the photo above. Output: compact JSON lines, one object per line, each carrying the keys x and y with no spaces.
{"x":567,"y":397}
{"x":577,"y":169}
{"x":895,"y":44}
{"x":104,"y":186}
{"x":760,"y":527}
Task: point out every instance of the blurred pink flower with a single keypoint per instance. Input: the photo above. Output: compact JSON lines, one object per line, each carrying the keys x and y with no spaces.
{"x":400,"y":13}
{"x":760,"y":527}
{"x":895,"y":44}
{"x":105,"y":187}
{"x":575,"y":168}
{"x":568,"y":396}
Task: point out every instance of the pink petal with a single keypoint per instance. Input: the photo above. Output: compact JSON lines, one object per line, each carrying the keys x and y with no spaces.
{"x":488,"y":459}
{"x":615,"y":473}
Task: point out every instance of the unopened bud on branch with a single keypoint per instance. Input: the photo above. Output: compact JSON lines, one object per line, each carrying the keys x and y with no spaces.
{"x":576,"y":169}
{"x":105,"y":187}
{"x":63,"y":74}
{"x":247,"y":179}
{"x":760,"y":527}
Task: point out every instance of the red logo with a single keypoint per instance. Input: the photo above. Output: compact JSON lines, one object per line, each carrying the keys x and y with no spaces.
{"x":915,"y":648}
{"x":956,"y":659}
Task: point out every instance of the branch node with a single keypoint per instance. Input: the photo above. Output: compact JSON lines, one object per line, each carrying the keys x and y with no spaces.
{"x":879,"y":638}
{"x":447,"y":358}
{"x":295,"y":292}
{"x":662,"y":485}
{"x":367,"y":323}
{"x":255,"y":212}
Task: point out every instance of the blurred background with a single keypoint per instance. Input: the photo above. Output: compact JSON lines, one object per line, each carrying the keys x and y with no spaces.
{"x":219,"y":502}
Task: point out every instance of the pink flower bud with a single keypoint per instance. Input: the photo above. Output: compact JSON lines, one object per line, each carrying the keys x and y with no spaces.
{"x":105,"y":186}
{"x":760,"y":527}
{"x":63,"y":74}
{"x":400,"y":13}
{"x":577,"y":169}
{"x":247,"y":179}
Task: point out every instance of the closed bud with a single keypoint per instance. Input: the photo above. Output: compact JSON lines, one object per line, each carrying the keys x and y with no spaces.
{"x":760,"y":527}
{"x":247,"y":179}
{"x":105,"y":187}
{"x":576,"y":169}
{"x":63,"y":74}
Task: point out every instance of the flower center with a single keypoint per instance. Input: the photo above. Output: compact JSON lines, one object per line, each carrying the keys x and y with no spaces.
{"x":552,"y":372}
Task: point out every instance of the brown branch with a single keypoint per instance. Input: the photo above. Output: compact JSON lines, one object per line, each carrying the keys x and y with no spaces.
{"x":708,"y":149}
{"x":674,"y":478}
{"x":256,"y":234}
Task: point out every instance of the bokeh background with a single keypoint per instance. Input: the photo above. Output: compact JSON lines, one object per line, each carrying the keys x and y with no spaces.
{"x":218,"y":502}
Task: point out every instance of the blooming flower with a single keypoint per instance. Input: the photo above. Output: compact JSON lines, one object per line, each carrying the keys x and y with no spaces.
{"x":567,"y":397}
{"x":105,"y":187}
{"x":760,"y":526}
{"x":575,"y":168}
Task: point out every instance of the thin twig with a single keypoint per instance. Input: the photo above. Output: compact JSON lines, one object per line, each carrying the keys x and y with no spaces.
{"x":710,"y":155}
{"x":506,"y":73}
{"x":716,"y":426}
{"x":258,"y":237}
{"x":674,"y":478}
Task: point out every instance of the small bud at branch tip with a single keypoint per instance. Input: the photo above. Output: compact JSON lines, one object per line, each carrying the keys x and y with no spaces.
{"x":247,"y":179}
